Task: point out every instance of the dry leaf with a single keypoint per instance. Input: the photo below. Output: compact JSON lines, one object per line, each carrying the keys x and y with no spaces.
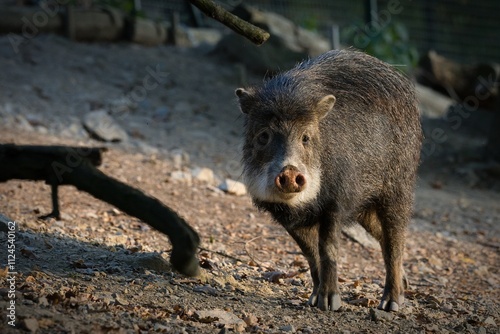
{"x":4,"y":272}
{"x":250,"y":319}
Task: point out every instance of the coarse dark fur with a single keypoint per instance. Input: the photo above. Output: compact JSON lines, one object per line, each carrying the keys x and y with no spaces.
{"x":366,"y":148}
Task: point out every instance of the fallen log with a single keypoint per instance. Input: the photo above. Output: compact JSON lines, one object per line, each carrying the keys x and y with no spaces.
{"x":472,"y":84}
{"x":432,"y":103}
{"x":63,"y":165}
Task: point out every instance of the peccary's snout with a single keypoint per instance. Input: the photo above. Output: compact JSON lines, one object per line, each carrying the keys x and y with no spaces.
{"x":290,"y":180}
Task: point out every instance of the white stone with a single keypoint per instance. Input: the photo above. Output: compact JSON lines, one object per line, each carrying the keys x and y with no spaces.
{"x":103,"y":127}
{"x":179,"y":175}
{"x":233,"y":187}
{"x":203,"y":174}
{"x":179,"y":158}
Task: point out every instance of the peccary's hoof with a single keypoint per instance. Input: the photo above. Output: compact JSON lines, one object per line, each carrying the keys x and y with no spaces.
{"x":390,"y":305}
{"x":328,"y":302}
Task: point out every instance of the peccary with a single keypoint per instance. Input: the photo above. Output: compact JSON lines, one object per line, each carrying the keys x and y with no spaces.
{"x":333,"y":141}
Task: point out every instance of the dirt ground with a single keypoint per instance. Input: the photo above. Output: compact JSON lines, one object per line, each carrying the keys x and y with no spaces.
{"x":98,"y":270}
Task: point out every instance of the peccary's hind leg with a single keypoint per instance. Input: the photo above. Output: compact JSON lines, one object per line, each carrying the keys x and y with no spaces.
{"x":394,"y":221}
{"x":371,"y":222}
{"x":307,"y":239}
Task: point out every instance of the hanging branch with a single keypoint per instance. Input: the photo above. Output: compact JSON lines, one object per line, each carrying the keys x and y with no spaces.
{"x":255,"y":34}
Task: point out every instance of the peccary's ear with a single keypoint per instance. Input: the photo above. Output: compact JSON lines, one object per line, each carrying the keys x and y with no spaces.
{"x":325,"y":105}
{"x":241,"y":92}
{"x":244,"y":97}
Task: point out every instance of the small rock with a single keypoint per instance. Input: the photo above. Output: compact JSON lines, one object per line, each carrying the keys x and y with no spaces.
{"x":206,"y":289}
{"x":380,"y":315}
{"x":23,"y":123}
{"x":490,"y":321}
{"x":152,"y":261}
{"x":106,"y":298}
{"x":251,"y":320}
{"x":161,"y":328}
{"x":233,"y":187}
{"x":31,"y":324}
{"x":74,"y":130}
{"x":203,"y":174}
{"x":41,"y":129}
{"x":35,"y":120}
{"x":179,"y":158}
{"x":103,"y":127}
{"x":307,"y":330}
{"x":288,"y":328}
{"x":119,"y":300}
{"x":42,"y":301}
{"x":179,"y":175}
{"x":146,"y":148}
{"x":215,"y":190}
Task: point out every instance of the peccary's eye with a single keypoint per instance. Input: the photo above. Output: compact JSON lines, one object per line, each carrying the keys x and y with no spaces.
{"x":305,"y":139}
{"x":263,"y":138}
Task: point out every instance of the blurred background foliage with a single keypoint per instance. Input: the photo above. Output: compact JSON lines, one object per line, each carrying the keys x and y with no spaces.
{"x":390,"y":43}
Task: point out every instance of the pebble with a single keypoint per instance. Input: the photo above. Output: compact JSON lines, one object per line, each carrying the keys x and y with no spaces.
{"x":179,"y":158}
{"x":103,"y":127}
{"x":120,"y":300}
{"x":23,"y":123}
{"x":42,"y":301}
{"x":233,"y":187}
{"x":153,"y":261}
{"x":31,"y":324}
{"x":179,"y":175}
{"x":161,"y":328}
{"x":146,"y":148}
{"x":379,"y":315}
{"x":288,"y":328}
{"x":203,"y":174}
{"x":74,"y":130}
{"x":207,"y":289}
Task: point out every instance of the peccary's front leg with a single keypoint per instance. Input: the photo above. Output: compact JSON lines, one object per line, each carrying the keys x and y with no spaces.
{"x":328,"y":292}
{"x":307,"y":239}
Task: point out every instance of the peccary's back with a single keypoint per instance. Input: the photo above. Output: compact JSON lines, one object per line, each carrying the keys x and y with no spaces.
{"x":372,"y":137}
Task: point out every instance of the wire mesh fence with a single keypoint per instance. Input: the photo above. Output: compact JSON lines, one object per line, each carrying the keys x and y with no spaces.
{"x":465,"y":30}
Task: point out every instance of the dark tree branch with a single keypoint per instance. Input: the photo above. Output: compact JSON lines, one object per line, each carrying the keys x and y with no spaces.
{"x":255,"y":34}
{"x":59,"y":165}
